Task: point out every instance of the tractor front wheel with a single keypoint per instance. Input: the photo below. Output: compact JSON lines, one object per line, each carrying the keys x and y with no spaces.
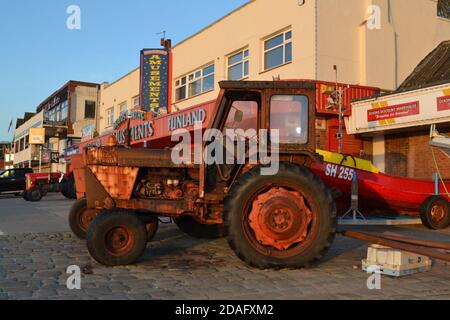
{"x":192,"y":228}
{"x":287,"y":220}
{"x":80,"y":217}
{"x":435,"y":213}
{"x":35,"y":194}
{"x":117,"y":238}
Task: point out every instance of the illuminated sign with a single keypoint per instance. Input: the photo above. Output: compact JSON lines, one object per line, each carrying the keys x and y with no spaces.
{"x":443,"y":103}
{"x":129,"y":114}
{"x":155,"y":81}
{"x":137,"y":132}
{"x":393,"y":112}
{"x":185,"y":120}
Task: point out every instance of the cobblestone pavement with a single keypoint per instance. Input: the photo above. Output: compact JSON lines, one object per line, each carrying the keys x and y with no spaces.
{"x":175,"y":266}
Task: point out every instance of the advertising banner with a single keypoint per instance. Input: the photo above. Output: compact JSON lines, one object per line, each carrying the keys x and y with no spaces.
{"x":155,"y":74}
{"x":398,"y":111}
{"x":37,"y":136}
{"x":443,"y":103}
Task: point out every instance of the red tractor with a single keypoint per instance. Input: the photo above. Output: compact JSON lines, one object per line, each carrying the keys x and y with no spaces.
{"x":38,"y":185}
{"x":287,"y":219}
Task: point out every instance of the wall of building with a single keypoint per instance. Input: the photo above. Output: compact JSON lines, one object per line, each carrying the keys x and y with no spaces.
{"x":112,"y":95}
{"x":23,"y":131}
{"x":248,"y":27}
{"x":410,"y":155}
{"x":377,"y":57}
{"x":79,"y":98}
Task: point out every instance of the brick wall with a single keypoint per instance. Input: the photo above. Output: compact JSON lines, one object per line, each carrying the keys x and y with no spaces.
{"x":410,"y":155}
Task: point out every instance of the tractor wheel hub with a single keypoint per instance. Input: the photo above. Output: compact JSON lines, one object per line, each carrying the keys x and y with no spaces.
{"x":280,"y":218}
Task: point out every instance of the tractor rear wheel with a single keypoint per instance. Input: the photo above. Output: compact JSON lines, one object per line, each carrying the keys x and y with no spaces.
{"x":435,"y":213}
{"x":117,"y":238}
{"x":35,"y":194}
{"x":80,"y":217}
{"x":283,"y":221}
{"x":192,"y":228}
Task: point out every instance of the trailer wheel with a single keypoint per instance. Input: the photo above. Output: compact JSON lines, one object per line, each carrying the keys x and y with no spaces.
{"x":117,"y":238}
{"x":283,"y":221}
{"x":435,"y":213}
{"x":34,"y":194}
{"x":192,"y":228}
{"x":80,"y":217}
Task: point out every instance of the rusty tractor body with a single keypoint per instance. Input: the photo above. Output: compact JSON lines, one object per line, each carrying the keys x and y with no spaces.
{"x":287,"y":219}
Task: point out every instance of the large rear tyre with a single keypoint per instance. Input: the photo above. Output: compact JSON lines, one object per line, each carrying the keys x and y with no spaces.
{"x":117,"y":238}
{"x":192,"y":228}
{"x":34,"y":194}
{"x":435,"y":213}
{"x":80,"y":217}
{"x":68,"y":188}
{"x":283,"y":221}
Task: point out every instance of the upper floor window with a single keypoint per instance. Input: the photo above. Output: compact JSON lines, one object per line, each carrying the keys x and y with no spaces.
{"x":64,"y":110}
{"x":278,"y":50}
{"x":443,"y":9}
{"x":136,"y":102}
{"x":196,"y":83}
{"x":123,"y":107}
{"x":238,"y":65}
{"x":109,"y":117}
{"x":89,"y":110}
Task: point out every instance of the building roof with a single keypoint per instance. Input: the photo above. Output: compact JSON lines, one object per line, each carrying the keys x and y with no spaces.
{"x":434,"y":69}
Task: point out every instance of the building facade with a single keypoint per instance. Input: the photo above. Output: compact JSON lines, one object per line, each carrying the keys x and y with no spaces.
{"x":65,"y":115}
{"x":371,"y":42}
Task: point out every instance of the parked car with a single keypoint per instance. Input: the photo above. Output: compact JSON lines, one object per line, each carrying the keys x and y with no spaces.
{"x":13,"y":180}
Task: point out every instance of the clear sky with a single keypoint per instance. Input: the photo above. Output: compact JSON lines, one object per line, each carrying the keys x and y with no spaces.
{"x":38,"y":53}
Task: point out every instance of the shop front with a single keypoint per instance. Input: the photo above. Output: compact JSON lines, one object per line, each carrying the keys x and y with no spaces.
{"x":399,"y":128}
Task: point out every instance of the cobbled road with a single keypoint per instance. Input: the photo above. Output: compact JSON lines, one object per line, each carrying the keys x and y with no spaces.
{"x":177,"y":267}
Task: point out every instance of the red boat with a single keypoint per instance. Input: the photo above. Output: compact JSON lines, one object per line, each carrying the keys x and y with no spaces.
{"x":379,"y":192}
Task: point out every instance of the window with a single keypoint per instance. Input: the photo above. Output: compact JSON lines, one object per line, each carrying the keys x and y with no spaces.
{"x":238,"y":65}
{"x":278,"y":50}
{"x":196,"y":83}
{"x":249,"y":110}
{"x":89,"y":110}
{"x":27,"y":141}
{"x":123,"y":107}
{"x":289,"y":115}
{"x":443,"y":9}
{"x":136,"y":102}
{"x":64,"y":110}
{"x":109,"y":117}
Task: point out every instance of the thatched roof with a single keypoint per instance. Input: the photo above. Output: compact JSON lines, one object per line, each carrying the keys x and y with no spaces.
{"x":435,"y":68}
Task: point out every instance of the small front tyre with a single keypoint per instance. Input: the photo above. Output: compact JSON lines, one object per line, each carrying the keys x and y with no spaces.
{"x":34,"y":194}
{"x":117,"y":238}
{"x":435,"y":213}
{"x":80,"y":217}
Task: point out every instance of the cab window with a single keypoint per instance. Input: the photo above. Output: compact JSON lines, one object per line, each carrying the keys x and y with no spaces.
{"x":289,"y":115}
{"x":243,"y":115}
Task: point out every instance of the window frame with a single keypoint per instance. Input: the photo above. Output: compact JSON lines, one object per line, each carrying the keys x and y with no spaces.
{"x":307,"y":122}
{"x":245,"y":59}
{"x":190,"y":78}
{"x":109,"y":113}
{"x":282,"y":45}
{"x":442,"y":14}
{"x":85,"y":109}
{"x":137,"y":98}
{"x":125,"y":103}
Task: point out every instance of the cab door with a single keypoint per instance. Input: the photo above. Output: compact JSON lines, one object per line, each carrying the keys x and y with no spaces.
{"x":7,"y":181}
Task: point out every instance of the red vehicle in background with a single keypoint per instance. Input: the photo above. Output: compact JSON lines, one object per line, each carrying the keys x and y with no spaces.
{"x":38,"y":185}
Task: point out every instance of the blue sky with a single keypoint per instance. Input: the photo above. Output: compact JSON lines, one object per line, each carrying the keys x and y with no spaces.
{"x":38,"y":54}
